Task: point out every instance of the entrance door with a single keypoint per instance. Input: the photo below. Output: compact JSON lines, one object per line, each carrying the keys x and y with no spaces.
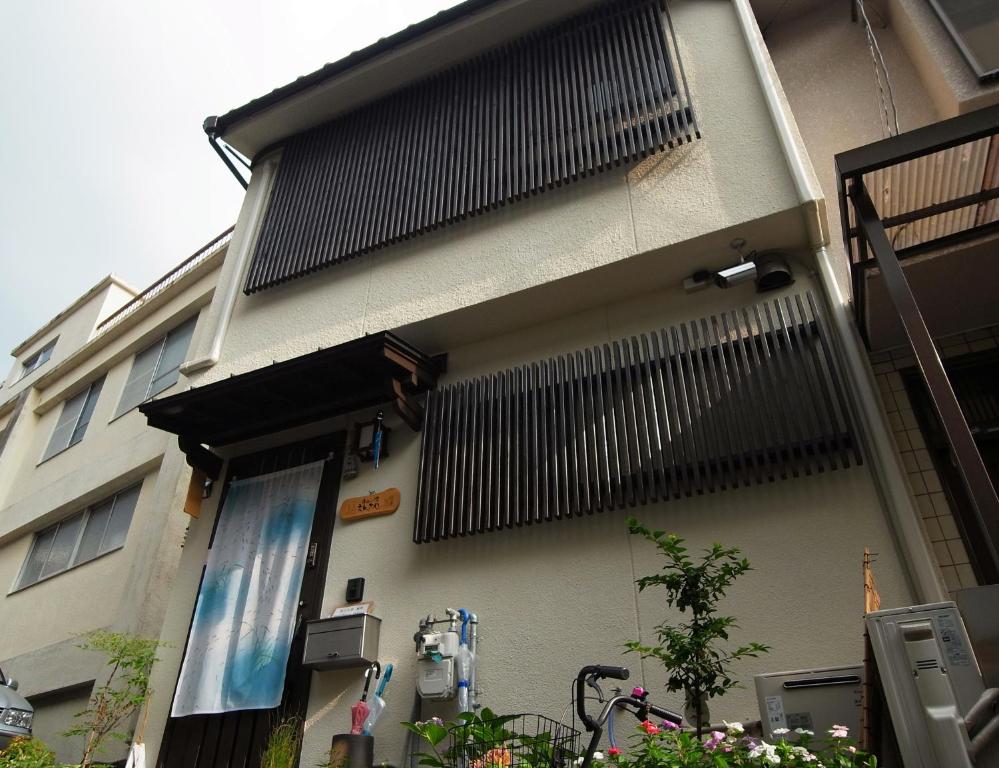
{"x":237,"y":739}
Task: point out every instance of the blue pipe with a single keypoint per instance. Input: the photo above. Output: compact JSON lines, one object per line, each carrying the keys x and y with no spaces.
{"x":465,"y":616}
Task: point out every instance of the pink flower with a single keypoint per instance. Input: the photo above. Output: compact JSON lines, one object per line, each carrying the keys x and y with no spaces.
{"x":613,"y":751}
{"x":715,"y":740}
{"x":649,"y":727}
{"x":670,"y":725}
{"x":839,"y":732}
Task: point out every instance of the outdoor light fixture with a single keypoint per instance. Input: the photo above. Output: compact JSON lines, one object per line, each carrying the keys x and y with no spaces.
{"x":372,"y":439}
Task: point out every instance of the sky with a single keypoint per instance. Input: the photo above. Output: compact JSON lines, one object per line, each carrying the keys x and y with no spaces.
{"x":104,"y":167}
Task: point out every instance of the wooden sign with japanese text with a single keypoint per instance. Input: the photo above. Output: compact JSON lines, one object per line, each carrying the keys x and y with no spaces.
{"x":382,"y":503}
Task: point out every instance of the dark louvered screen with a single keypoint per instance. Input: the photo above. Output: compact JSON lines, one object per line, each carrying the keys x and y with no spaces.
{"x":600,"y":89}
{"x":731,"y":400}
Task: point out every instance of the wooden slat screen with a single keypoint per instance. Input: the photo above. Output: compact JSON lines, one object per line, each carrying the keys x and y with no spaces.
{"x":600,"y":89}
{"x":736,"y":399}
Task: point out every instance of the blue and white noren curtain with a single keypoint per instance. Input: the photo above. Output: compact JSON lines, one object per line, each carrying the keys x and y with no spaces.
{"x":246,"y":611}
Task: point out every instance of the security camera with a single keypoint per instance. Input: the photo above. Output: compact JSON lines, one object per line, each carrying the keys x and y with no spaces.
{"x":736,"y":274}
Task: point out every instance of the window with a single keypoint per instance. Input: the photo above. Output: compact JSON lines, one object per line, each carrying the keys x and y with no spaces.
{"x":156,"y":368}
{"x":73,"y":420}
{"x":579,"y":97}
{"x":88,"y":534}
{"x":974,"y":25}
{"x":38,"y":359}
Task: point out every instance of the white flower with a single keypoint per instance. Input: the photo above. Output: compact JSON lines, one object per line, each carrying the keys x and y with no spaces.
{"x":598,"y":755}
{"x":805,"y":755}
{"x":780,"y":731}
{"x":804,"y":732}
{"x":767,"y":751}
{"x":733,"y":727}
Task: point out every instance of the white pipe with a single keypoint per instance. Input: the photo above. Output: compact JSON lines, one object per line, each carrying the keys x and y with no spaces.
{"x":239,"y":246}
{"x":886,"y":465}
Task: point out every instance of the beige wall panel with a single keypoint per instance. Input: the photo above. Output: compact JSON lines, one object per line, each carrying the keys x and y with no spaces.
{"x":53,"y":716}
{"x":826,"y":70}
{"x":733,"y":176}
{"x":79,"y":600}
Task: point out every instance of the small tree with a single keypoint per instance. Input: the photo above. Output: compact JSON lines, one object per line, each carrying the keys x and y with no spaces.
{"x":692,"y":652}
{"x":130,"y":659}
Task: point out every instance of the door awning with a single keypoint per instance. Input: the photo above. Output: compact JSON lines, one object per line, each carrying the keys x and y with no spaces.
{"x":373,"y":370}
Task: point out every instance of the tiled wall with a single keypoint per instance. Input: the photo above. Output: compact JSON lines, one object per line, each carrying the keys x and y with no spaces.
{"x":938,"y":518}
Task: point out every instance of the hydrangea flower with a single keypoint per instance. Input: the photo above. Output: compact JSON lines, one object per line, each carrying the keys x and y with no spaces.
{"x":839,"y":732}
{"x":733,"y":727}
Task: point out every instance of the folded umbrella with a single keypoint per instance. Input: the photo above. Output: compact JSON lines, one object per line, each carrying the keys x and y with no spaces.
{"x":377,"y":703}
{"x":359,"y":712}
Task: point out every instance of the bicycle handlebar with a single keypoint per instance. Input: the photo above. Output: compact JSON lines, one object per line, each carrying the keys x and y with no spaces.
{"x":594,"y":672}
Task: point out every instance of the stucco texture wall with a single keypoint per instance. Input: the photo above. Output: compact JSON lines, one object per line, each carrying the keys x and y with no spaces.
{"x":825,"y":67}
{"x":735,"y":174}
{"x":554,"y":597}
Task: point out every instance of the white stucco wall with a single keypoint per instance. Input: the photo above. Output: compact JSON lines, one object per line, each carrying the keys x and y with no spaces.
{"x":734,"y":175}
{"x":554,"y":597}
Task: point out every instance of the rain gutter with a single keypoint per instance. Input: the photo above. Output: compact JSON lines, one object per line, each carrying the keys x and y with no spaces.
{"x":886,"y":466}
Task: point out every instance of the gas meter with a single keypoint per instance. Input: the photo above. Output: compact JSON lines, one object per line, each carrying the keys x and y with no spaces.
{"x":435,"y":651}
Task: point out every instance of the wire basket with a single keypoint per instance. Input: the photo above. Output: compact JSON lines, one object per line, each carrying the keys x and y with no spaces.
{"x":514,"y":741}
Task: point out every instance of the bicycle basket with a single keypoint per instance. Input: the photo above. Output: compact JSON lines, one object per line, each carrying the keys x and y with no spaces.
{"x":514,"y":741}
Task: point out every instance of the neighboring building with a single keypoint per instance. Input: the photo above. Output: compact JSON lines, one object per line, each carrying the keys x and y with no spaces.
{"x":91,"y":498}
{"x":392,"y":219}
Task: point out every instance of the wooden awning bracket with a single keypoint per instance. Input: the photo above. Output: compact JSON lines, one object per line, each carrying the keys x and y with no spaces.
{"x":199,"y":457}
{"x":408,"y":408}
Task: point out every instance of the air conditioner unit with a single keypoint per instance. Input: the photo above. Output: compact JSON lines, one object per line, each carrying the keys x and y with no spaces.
{"x":931,"y":681}
{"x":813,"y":699}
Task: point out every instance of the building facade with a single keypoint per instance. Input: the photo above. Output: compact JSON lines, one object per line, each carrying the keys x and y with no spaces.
{"x":523,"y":189}
{"x":575,"y":261}
{"x":91,"y":498}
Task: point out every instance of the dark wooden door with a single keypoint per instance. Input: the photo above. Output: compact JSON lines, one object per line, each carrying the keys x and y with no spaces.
{"x":236,"y":739}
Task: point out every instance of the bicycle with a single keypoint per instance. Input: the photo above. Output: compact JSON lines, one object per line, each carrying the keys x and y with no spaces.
{"x":637,"y":702}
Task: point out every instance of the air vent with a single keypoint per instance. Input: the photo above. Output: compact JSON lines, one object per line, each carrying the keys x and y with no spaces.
{"x":731,"y":400}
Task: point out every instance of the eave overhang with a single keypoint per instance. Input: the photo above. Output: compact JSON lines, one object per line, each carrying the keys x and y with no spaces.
{"x":416,"y":52}
{"x":374,"y":370}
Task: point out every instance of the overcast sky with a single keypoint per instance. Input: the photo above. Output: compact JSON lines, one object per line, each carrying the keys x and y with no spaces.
{"x":103,"y":163}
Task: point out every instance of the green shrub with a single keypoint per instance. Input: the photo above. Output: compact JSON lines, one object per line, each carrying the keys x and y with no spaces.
{"x":26,"y":752}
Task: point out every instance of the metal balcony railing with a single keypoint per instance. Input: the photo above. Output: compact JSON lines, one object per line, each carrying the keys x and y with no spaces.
{"x":917,"y":193}
{"x":170,"y":278}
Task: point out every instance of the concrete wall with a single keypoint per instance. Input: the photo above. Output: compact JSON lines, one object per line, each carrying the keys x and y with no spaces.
{"x":733,"y":176}
{"x":52,"y":715}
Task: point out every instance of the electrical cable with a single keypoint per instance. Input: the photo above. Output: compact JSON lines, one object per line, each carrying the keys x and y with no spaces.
{"x":890,"y":117}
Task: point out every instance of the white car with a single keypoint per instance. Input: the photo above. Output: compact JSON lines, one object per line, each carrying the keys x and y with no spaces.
{"x":15,"y":711}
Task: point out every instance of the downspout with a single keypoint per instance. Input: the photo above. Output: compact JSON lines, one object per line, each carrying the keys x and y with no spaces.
{"x":210,"y":126}
{"x":886,"y":465}
{"x":239,"y":249}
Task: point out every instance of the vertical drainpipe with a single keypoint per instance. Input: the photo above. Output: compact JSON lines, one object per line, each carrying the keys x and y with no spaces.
{"x":237,"y":258}
{"x":924,"y":578}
